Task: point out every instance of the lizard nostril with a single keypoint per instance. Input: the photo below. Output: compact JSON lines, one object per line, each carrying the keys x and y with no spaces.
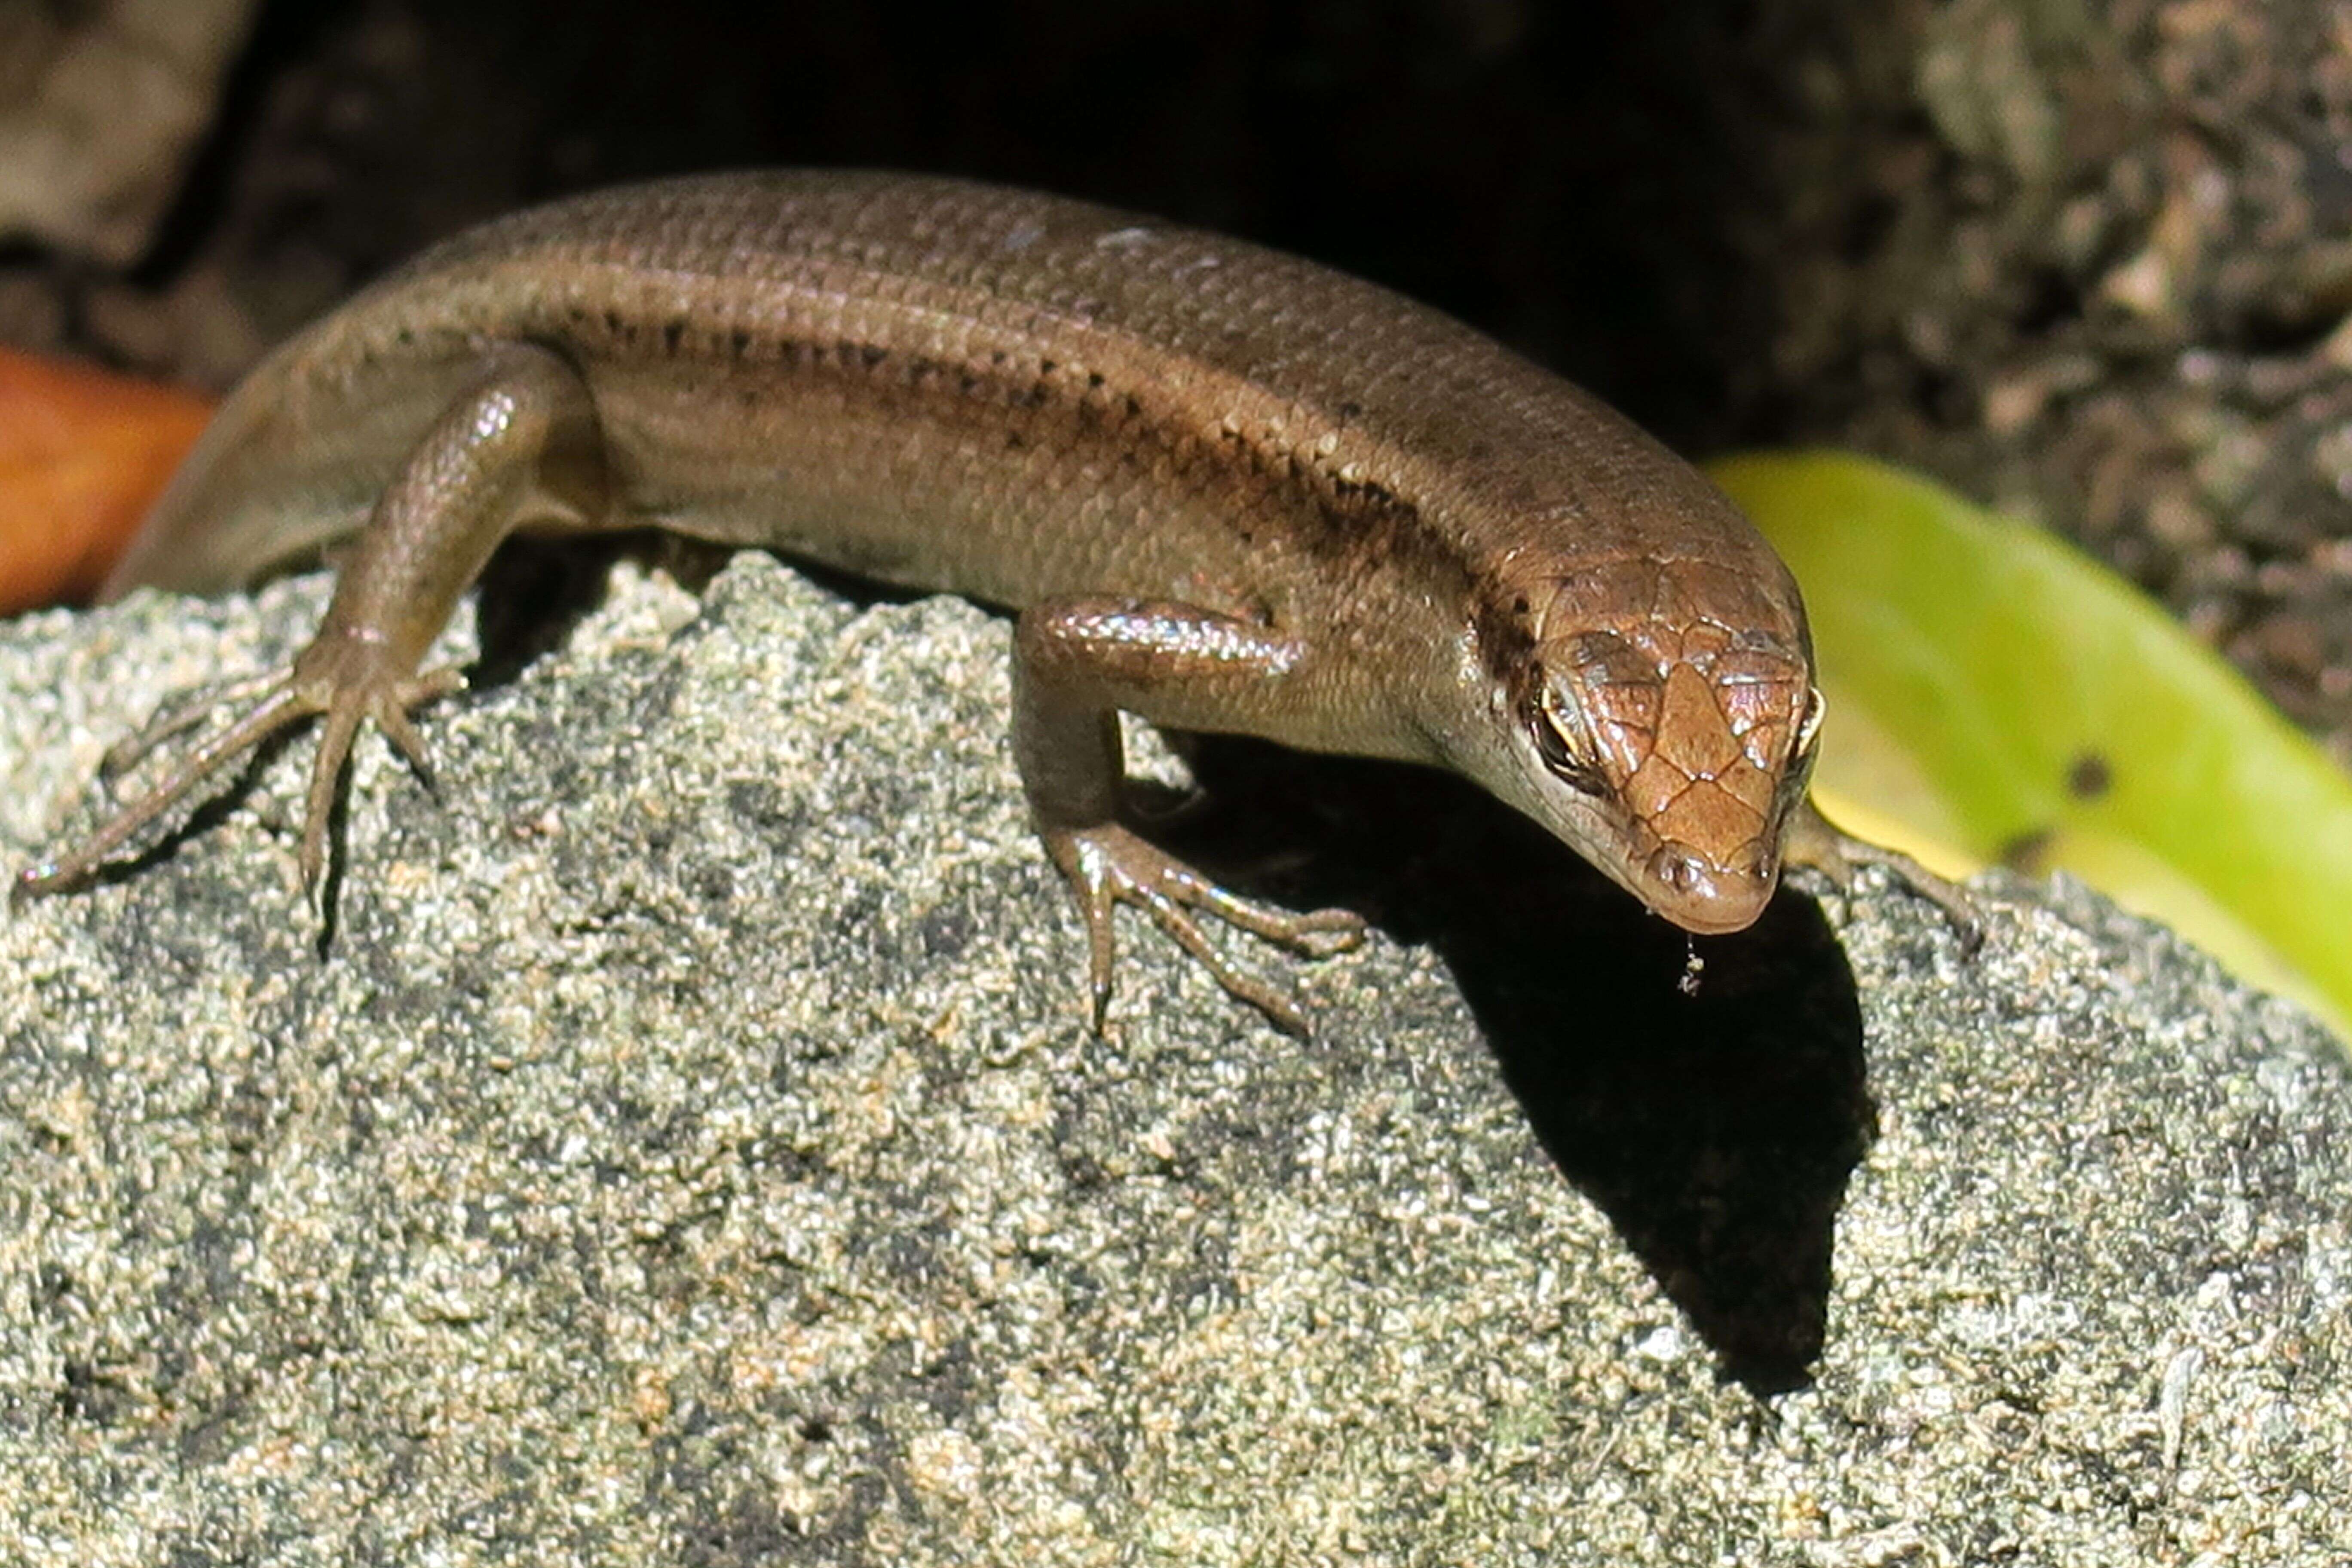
{"x":1683,"y":869}
{"x":1702,"y":894}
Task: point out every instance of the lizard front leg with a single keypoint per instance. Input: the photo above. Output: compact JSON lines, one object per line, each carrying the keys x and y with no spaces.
{"x":1077,"y":661}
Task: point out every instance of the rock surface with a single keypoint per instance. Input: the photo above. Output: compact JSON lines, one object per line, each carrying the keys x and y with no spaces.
{"x":689,"y":1149}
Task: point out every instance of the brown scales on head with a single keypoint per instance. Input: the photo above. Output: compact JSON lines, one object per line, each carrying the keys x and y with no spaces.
{"x":1670,"y":692}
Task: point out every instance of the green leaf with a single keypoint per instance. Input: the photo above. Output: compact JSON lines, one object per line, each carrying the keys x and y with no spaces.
{"x":1993,"y":692}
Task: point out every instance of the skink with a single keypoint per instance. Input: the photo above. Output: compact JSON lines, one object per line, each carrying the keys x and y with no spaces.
{"x":1225,"y":489}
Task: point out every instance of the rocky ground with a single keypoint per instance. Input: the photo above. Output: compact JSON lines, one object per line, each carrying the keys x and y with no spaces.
{"x":685,"y":1145}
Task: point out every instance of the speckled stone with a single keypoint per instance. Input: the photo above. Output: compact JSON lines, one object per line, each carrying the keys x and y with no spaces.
{"x":689,"y":1149}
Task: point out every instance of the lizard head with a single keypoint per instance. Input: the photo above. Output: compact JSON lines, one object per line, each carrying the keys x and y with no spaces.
{"x":1662,"y":719}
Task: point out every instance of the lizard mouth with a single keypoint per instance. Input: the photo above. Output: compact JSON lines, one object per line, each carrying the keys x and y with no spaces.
{"x":1707,"y":896}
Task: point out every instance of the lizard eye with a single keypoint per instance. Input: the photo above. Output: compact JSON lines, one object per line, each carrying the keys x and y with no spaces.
{"x":1809,"y":727}
{"x":1564,"y":740}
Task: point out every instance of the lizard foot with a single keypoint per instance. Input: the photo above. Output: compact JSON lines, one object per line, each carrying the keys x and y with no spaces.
{"x":1814,"y":842}
{"x":1107,"y":866}
{"x":347,"y":679}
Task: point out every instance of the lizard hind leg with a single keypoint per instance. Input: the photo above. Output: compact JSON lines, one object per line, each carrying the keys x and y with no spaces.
{"x":178,"y":716}
{"x":352,"y":680}
{"x":279,"y":705}
{"x":518,"y":440}
{"x":325,"y":679}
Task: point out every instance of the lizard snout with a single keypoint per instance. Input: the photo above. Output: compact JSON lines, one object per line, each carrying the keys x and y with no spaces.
{"x":1702,"y":894}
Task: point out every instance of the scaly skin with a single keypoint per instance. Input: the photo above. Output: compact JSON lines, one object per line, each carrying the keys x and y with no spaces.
{"x":1229,"y":490}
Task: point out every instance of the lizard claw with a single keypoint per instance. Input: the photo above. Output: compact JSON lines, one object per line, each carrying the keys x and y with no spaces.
{"x":349,"y":680}
{"x":359,"y":694}
{"x":279,"y":705}
{"x":1107,"y":866}
{"x":1818,"y":845}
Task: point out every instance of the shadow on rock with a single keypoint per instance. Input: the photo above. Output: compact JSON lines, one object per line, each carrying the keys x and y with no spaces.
{"x":1716,"y":1130}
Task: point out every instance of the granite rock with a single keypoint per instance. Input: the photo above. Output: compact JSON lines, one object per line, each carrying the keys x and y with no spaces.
{"x":681,"y":1142}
